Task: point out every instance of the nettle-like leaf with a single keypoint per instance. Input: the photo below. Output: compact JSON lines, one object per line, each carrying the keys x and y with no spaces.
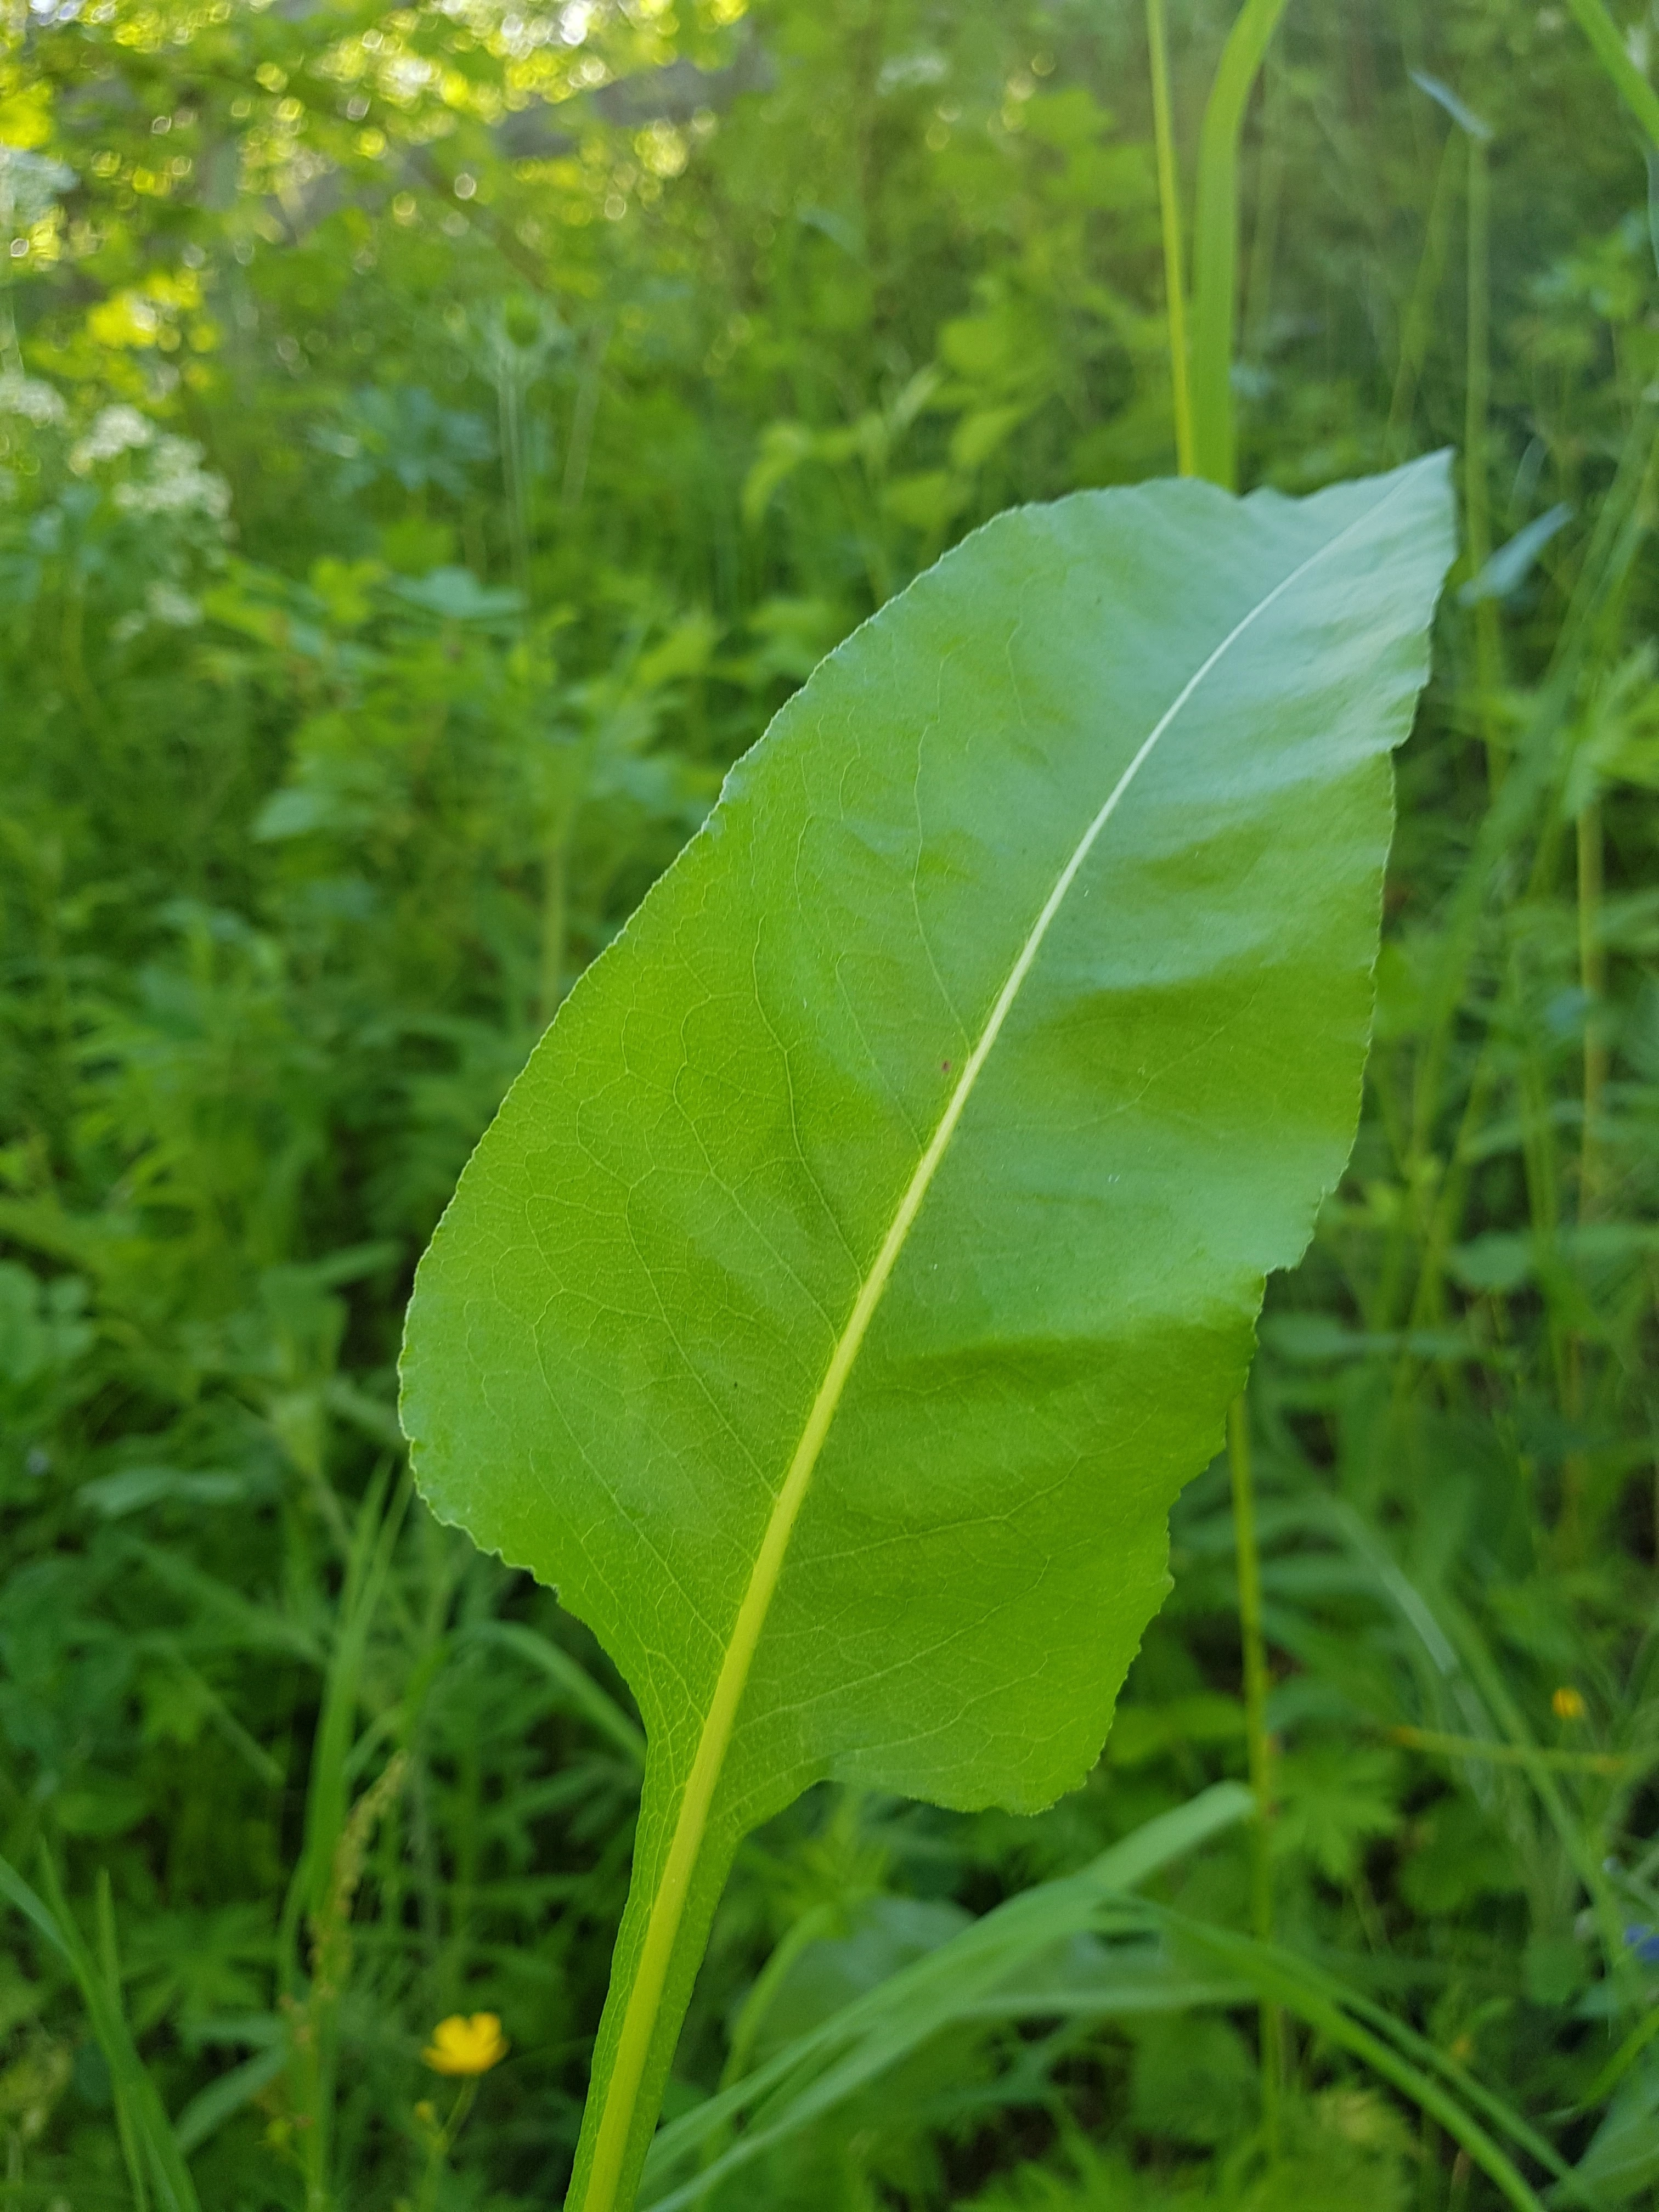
{"x":869,"y":1251}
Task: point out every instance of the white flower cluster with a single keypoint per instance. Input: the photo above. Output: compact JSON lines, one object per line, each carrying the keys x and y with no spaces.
{"x":37,"y":402}
{"x":177,"y":484}
{"x":116,"y":431}
{"x":175,"y":609}
{"x":173,"y":480}
{"x":164,"y":603}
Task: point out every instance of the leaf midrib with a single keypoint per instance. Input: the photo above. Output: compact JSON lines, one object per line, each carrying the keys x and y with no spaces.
{"x":691,"y":1822}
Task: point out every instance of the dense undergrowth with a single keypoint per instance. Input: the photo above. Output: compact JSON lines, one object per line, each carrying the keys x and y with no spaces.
{"x":432,"y":443}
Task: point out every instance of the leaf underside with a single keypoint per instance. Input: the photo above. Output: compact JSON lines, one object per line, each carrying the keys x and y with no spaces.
{"x":869,"y":1251}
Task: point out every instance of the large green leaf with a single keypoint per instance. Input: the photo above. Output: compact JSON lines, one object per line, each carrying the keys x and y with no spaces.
{"x":869,"y":1251}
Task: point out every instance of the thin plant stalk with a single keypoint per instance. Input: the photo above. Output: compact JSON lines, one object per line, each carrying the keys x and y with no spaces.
{"x":579,"y":443}
{"x":1257,"y":304}
{"x":1169,"y":199}
{"x":509,"y":401}
{"x":1476,"y":434}
{"x":1417,"y":329}
{"x":1593,"y":977}
{"x":1215,"y":252}
{"x":1260,"y":1747}
{"x":516,"y":367}
{"x":440,"y":2144}
{"x":1593,"y":980}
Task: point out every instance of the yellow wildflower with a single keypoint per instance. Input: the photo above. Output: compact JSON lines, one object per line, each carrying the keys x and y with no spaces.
{"x":459,"y":2045}
{"x":1567,"y":1703}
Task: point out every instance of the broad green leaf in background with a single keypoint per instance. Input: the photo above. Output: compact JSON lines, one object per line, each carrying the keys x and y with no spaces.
{"x":869,"y":1251}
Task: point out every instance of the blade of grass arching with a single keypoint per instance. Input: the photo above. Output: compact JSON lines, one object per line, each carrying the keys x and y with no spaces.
{"x":127,"y":2123}
{"x":1352,"y":2021}
{"x":1620,"y":2063}
{"x":866,"y":2038}
{"x":1631,"y":86}
{"x":1135,"y":1995}
{"x":154,"y":2161}
{"x":949,"y":1982}
{"x":1622,"y":1968}
{"x":1169,"y":199}
{"x":1455,"y":1645}
{"x":1272,"y":2026}
{"x":207,"y":2112}
{"x":1417,"y":329}
{"x":1118,"y":1997}
{"x":1215,"y":248}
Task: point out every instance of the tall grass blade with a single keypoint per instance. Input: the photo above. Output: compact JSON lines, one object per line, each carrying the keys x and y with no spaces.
{"x":820,"y":2069}
{"x":310,"y":1901}
{"x":1632,"y":88}
{"x":1477,"y":406}
{"x":1326,"y":2007}
{"x":155,"y":2162}
{"x":1215,"y":251}
{"x":1259,"y":1745}
{"x":1168,"y":201}
{"x":1416,"y":326}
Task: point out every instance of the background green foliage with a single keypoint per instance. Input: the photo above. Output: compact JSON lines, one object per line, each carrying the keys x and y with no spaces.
{"x":434,"y":441}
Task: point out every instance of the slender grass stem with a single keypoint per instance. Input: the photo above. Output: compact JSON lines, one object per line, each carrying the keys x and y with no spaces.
{"x":578,"y":445}
{"x":1476,"y":437}
{"x":1215,"y":254}
{"x":1592,"y":976}
{"x":1417,"y":329}
{"x":1256,"y":306}
{"x":442,"y":2142}
{"x":1259,"y":1749}
{"x":509,"y":399}
{"x":1169,"y":197}
{"x":1593,"y":979}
